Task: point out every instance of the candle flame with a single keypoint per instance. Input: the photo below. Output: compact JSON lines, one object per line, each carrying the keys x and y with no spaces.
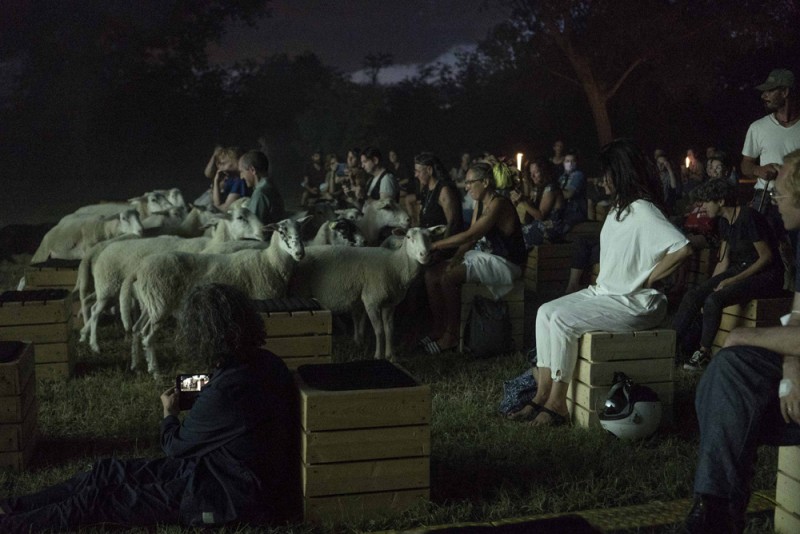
{"x":687,"y":162}
{"x":519,"y":161}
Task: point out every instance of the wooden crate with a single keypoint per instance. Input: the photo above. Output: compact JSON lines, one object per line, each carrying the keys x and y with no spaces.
{"x":14,"y":375}
{"x":516,"y":309}
{"x":701,"y":266}
{"x":62,"y":274}
{"x":756,"y":313}
{"x":787,"y":491}
{"x":18,"y":460}
{"x":547,"y":268}
{"x":365,"y":440}
{"x":646,"y":356}
{"x":299,"y":337}
{"x":14,"y":437}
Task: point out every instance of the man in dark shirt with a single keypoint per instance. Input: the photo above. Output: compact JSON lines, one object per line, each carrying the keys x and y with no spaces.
{"x":232,"y":458}
{"x":749,"y":395}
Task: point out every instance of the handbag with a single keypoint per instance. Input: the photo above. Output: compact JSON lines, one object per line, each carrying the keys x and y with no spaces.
{"x":488,"y":328}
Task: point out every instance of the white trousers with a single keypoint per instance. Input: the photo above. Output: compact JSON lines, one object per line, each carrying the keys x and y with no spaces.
{"x":560,"y":323}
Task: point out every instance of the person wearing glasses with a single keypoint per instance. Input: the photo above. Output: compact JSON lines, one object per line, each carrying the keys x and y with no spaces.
{"x":748,"y":396}
{"x":749,"y":267}
{"x":491,"y":251}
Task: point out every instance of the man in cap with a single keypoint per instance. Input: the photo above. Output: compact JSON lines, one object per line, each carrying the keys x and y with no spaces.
{"x":771,"y":137}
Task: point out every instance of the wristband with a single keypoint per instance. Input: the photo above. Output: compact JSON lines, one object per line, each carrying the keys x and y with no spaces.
{"x":785,"y":387}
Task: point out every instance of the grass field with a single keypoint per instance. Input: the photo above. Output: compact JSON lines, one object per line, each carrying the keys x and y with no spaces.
{"x":483,"y":467}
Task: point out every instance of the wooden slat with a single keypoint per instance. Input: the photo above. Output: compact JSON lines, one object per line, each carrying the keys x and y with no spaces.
{"x":294,"y":362}
{"x":369,"y":476}
{"x":51,"y":277}
{"x":15,"y":436}
{"x":37,"y":333}
{"x":282,"y":324}
{"x":762,"y":309}
{"x":297,"y":346}
{"x":341,"y":508}
{"x":58,"y":371}
{"x":594,"y":397}
{"x":35,"y":312}
{"x":789,"y":461}
{"x":54,"y":352}
{"x":606,"y":346}
{"x":641,"y":371}
{"x":14,"y":407}
{"x":18,"y":460}
{"x":786,"y":522}
{"x":787,"y":493}
{"x":368,"y":408}
{"x":366,"y":444}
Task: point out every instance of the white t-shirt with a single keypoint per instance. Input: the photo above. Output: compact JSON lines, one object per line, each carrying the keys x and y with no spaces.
{"x":389,"y":185}
{"x":631,"y":248}
{"x":768,"y":141}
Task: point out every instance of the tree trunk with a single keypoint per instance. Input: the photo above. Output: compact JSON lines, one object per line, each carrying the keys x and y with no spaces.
{"x":599,"y":105}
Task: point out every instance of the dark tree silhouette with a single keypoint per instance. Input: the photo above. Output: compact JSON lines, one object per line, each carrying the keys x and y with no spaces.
{"x":374,"y":63}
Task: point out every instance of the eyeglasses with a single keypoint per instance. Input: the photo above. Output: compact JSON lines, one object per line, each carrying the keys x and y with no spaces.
{"x":774,"y":196}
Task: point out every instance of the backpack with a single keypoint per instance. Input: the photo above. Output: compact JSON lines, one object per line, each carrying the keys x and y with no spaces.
{"x":488,"y":328}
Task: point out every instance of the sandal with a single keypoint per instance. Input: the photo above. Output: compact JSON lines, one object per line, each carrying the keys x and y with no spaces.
{"x":556,"y":419}
{"x":434,"y":348}
{"x":530,"y":416}
{"x":424,"y":341}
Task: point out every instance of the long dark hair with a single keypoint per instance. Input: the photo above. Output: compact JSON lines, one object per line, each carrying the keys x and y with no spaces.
{"x":219,"y":326}
{"x":633,"y":175}
{"x":428,"y":159}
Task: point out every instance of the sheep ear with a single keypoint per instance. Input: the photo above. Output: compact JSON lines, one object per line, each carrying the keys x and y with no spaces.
{"x":271,"y":227}
{"x":303,"y":220}
{"x":332,"y":225}
{"x":137,"y":199}
{"x":438,"y":230}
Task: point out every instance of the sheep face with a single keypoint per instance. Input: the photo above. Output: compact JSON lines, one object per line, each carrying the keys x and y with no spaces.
{"x":244,"y":224}
{"x":387,"y":212}
{"x":129,"y":223}
{"x":290,"y":241}
{"x":153,"y":202}
{"x":175,"y":198}
{"x":350,"y":214}
{"x":343,"y":232}
{"x":418,"y":245}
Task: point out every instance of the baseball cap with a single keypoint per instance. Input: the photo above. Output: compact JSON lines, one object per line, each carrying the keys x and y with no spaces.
{"x":777,"y":78}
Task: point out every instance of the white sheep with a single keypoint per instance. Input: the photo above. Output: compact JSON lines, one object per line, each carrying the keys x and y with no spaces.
{"x":108,"y":264}
{"x":147,"y":204}
{"x":162,"y":280}
{"x":350,"y":279}
{"x":340,"y":232}
{"x":73,"y":236}
{"x":174,"y":196}
{"x":379,"y":214}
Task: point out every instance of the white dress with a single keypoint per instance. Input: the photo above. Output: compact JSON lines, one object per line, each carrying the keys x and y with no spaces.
{"x":629,"y":251}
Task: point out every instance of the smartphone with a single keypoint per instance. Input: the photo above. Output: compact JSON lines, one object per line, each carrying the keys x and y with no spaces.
{"x":188,"y":388}
{"x":340,"y":169}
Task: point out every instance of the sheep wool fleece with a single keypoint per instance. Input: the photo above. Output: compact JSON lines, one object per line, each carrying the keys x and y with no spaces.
{"x":629,"y":251}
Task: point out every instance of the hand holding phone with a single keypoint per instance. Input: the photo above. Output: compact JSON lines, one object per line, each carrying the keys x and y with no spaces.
{"x":188,"y":388}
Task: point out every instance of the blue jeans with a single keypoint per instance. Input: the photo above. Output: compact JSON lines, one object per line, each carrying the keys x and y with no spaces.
{"x":738,"y":410}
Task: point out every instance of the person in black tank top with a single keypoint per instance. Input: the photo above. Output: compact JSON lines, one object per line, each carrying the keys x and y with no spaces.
{"x":490,"y":251}
{"x":440,"y":200}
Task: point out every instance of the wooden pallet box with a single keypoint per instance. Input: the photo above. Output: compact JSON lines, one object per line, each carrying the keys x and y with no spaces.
{"x":53,"y":273}
{"x":18,"y":409}
{"x":516,"y":309}
{"x":298,"y":330}
{"x":645,"y":356}
{"x":44,"y":317}
{"x":365,"y":440}
{"x":547,"y":267}
{"x":787,"y":491}
{"x":15,"y":437}
{"x":15,"y":373}
{"x":701,"y":266}
{"x":756,"y":313}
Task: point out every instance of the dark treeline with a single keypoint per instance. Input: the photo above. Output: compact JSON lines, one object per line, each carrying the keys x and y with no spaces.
{"x":106,"y":100}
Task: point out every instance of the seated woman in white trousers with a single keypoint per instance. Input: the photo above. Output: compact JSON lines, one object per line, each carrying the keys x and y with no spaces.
{"x":638,"y":246}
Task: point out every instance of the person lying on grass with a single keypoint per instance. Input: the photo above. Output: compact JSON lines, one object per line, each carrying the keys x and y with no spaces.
{"x":638,"y":246}
{"x":228,"y":461}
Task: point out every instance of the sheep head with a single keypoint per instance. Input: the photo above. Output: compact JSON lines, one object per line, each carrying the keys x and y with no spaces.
{"x":387,"y":212}
{"x":289,"y":237}
{"x":244,"y":224}
{"x":350,"y":214}
{"x":343,"y":232}
{"x":418,"y":241}
{"x":152,"y":202}
{"x":129,"y":223}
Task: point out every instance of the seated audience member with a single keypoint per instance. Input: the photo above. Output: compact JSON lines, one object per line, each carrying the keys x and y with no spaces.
{"x":441,"y":204}
{"x":228,"y":186}
{"x":719,"y":166}
{"x":354,"y":179}
{"x":559,"y":155}
{"x":748,"y":396}
{"x":223,"y":160}
{"x":331,"y":190}
{"x":491,"y":251}
{"x":749,"y":267}
{"x":382,"y":183}
{"x":573,"y":187}
{"x":544,"y":207}
{"x":459,"y":174}
{"x":669,"y":184}
{"x":225,"y":462}
{"x":638,"y":246}
{"x":692,"y":174}
{"x":586,"y":254}
{"x":313,"y":178}
{"x":405,"y":182}
{"x":266,"y":201}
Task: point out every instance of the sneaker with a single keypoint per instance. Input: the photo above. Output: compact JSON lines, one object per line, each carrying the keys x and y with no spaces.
{"x":698,"y":361}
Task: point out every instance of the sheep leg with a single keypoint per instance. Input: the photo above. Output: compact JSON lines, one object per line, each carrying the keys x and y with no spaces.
{"x":375,"y":318}
{"x":97,"y":309}
{"x":148,"y":342}
{"x":136,"y":341}
{"x":387,"y":316}
{"x":359,"y":325}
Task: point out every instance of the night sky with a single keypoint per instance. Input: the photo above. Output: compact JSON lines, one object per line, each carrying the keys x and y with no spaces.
{"x":415,"y":32}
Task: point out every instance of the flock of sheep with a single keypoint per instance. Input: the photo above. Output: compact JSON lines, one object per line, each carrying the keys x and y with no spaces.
{"x":144,"y":256}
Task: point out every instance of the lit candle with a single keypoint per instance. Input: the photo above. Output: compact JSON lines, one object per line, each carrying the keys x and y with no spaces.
{"x":687,"y":162}
{"x":519,"y":161}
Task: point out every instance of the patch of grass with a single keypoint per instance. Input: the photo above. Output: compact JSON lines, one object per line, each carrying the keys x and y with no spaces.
{"x":483,"y":467}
